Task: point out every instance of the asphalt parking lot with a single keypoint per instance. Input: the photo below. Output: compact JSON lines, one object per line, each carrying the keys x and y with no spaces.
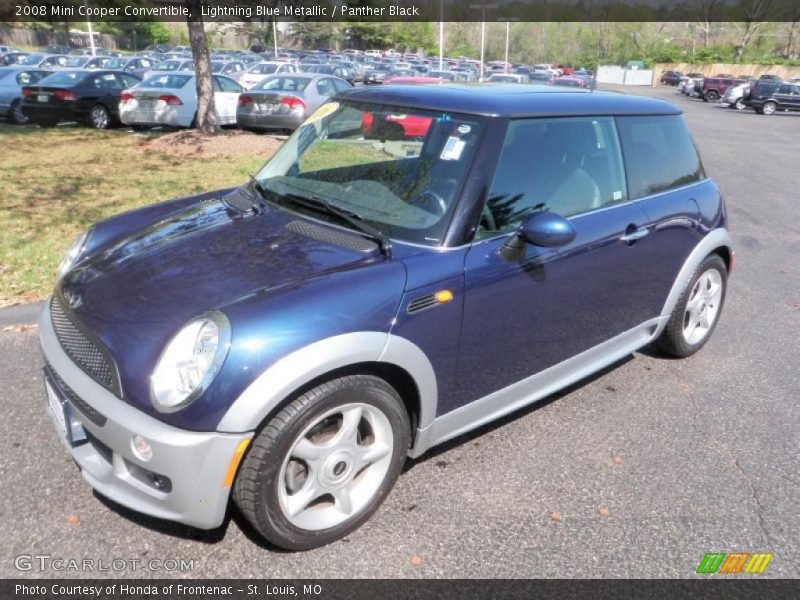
{"x":637,"y":472}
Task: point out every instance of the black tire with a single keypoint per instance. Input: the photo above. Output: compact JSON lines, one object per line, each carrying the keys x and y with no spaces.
{"x":711,"y":96}
{"x":672,"y":340}
{"x":769,"y":108}
{"x":15,"y":114}
{"x":256,"y":489}
{"x":739,"y":104}
{"x":100,"y":117}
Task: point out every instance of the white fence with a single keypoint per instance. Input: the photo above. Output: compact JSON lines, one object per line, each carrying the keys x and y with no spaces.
{"x":623,"y":76}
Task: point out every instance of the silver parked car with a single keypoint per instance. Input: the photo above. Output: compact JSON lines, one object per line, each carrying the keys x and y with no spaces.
{"x":258,"y":72}
{"x":171,"y":99}
{"x":734,"y":96}
{"x":284,"y":101}
{"x":12,"y":80}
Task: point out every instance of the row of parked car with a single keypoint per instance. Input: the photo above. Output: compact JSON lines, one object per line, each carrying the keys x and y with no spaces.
{"x":766,"y":95}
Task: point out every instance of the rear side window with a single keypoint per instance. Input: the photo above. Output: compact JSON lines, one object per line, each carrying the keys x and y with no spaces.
{"x":659,"y":154}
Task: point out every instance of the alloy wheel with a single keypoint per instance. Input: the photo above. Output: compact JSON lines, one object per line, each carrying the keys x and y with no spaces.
{"x":335,"y":466}
{"x":100,"y":118}
{"x":703,"y":307}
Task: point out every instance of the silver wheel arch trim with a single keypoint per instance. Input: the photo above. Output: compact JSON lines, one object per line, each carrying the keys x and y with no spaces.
{"x":715,"y":239}
{"x":294,"y":370}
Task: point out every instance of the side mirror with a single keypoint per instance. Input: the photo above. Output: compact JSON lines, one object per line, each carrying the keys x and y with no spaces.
{"x":546,"y":229}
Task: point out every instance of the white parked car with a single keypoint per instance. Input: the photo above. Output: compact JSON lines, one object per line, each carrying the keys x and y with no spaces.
{"x":260,"y":71}
{"x":171,"y":99}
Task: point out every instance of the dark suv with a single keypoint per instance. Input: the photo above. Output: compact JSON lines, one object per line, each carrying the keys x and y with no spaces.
{"x":672,"y":77}
{"x":715,"y":87}
{"x":290,"y":342}
{"x":773,"y":96}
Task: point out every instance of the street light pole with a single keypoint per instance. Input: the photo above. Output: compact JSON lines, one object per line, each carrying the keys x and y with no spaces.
{"x":441,"y":35}
{"x":505,"y":67}
{"x":275,"y":37}
{"x":483,"y":8}
{"x":91,"y":31}
{"x":483,"y":37}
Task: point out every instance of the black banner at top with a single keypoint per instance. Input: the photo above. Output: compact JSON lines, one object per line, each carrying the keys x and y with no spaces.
{"x":401,"y":10}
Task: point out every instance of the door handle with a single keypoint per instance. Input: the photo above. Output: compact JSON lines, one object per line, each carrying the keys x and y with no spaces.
{"x":631,"y":235}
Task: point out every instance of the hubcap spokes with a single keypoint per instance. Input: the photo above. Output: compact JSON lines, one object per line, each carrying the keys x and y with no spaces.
{"x":100,"y":118}
{"x":703,"y":307}
{"x":335,"y":466}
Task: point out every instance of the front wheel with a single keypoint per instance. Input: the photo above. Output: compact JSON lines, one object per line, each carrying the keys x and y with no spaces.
{"x":711,"y":96}
{"x":696,"y":314}
{"x":769,"y":108}
{"x":323,"y":465}
{"x":739,"y":104}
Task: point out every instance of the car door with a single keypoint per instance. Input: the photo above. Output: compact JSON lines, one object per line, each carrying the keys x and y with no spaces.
{"x":226,"y":97}
{"x":100,"y":89}
{"x":529,"y":309}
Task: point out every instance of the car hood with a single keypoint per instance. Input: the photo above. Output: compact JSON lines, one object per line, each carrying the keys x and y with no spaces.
{"x":201,"y":258}
{"x":134,"y":290}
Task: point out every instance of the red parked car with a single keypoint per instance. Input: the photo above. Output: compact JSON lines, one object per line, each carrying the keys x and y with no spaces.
{"x":394,"y":126}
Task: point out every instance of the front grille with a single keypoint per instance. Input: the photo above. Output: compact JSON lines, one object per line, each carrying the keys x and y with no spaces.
{"x":88,"y":354}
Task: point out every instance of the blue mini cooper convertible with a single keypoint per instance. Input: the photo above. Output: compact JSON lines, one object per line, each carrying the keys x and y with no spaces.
{"x":414,"y":262}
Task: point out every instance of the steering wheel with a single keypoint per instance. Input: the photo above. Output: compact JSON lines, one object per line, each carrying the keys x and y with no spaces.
{"x":430,"y":201}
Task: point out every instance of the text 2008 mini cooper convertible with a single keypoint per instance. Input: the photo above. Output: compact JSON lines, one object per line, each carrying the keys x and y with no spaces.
{"x":414,"y":262}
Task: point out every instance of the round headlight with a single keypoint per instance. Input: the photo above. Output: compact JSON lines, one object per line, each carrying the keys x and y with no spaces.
{"x":72,"y":254}
{"x":190,"y":361}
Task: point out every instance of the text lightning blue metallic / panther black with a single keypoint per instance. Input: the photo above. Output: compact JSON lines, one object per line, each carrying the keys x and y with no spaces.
{"x":413,"y":262}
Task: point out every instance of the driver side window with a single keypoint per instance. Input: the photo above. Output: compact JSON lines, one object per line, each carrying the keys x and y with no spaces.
{"x":566,"y":165}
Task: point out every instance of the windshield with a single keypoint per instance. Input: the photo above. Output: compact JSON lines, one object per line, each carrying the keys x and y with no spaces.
{"x":168,"y":65}
{"x":263,"y":68}
{"x":399,"y":170}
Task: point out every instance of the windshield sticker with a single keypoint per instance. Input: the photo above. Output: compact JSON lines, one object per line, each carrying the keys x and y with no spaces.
{"x":464,"y":129}
{"x":322,"y":112}
{"x":453,"y":148}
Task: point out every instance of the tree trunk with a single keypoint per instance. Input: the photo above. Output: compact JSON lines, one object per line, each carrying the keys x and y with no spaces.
{"x":206,"y":119}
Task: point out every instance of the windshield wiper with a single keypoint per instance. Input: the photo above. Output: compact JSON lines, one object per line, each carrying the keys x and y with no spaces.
{"x":354,"y":219}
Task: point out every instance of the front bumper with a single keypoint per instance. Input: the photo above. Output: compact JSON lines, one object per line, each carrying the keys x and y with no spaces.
{"x":194,"y":464}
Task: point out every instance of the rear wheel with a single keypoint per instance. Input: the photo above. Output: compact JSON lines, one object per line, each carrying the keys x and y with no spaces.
{"x":769,"y":108}
{"x":16,"y":115}
{"x":323,"y":465}
{"x":99,"y":117}
{"x":697,"y":312}
{"x":739,"y":104}
{"x":711,"y":96}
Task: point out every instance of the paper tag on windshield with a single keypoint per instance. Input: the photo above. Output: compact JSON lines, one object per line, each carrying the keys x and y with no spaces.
{"x":452,"y":149}
{"x":322,"y":112}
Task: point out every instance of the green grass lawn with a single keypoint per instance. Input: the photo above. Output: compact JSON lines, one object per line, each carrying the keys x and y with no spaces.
{"x":55,"y":183}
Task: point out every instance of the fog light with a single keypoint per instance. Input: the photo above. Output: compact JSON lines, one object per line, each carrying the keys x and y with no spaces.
{"x":141,"y":449}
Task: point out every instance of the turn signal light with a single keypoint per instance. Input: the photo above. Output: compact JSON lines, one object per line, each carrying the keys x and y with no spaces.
{"x":443,"y":296}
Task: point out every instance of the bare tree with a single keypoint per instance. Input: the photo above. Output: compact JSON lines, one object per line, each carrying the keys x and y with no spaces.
{"x":206,"y":119}
{"x":708,"y":9}
{"x":755,"y":11}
